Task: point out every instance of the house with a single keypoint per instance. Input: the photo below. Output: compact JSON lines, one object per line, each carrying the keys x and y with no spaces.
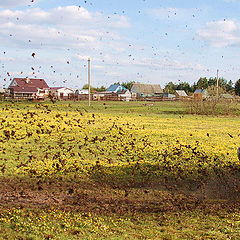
{"x":62,"y":93}
{"x":125,"y":95}
{"x":116,"y":88}
{"x":200,"y":94}
{"x":181,"y":94}
{"x":146,"y":90}
{"x":168,"y":96}
{"x":27,"y":88}
{"x":82,"y":94}
{"x":81,"y":91}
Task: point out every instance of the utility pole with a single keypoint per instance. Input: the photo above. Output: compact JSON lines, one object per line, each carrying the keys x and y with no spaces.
{"x":89,"y":82}
{"x":217,"y":84}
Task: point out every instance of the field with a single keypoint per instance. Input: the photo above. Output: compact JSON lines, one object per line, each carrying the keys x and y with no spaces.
{"x":117,"y":171}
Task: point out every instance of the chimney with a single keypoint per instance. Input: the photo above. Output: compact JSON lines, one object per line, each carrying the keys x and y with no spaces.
{"x":27,"y":80}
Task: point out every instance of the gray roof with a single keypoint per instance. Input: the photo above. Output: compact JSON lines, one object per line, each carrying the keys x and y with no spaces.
{"x":203,"y":91}
{"x":146,"y":88}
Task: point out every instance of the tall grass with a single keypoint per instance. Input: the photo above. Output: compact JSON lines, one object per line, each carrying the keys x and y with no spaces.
{"x":213,"y":107}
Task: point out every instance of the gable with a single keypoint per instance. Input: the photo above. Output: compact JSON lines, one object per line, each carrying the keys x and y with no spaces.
{"x":13,"y":83}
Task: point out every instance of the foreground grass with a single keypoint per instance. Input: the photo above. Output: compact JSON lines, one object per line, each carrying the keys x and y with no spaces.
{"x":55,"y":224}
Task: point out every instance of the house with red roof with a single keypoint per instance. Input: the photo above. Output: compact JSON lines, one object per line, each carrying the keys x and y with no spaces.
{"x":28,"y":88}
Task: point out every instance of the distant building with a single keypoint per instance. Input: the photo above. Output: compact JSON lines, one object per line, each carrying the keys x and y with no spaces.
{"x":27,"y":88}
{"x":62,"y":93}
{"x":125,"y":95}
{"x":81,"y":91}
{"x":200,"y":94}
{"x":146,"y":90}
{"x":116,"y":88}
{"x":181,"y":94}
{"x":168,"y":95}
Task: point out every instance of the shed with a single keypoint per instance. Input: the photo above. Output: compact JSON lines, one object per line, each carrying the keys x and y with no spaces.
{"x":200,"y":94}
{"x":181,"y":93}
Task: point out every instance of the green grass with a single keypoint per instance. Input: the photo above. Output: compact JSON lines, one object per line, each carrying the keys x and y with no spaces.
{"x":55,"y":224}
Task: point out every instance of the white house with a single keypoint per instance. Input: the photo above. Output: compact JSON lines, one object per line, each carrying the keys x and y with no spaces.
{"x":81,"y":91}
{"x":125,"y":95}
{"x":62,"y":92}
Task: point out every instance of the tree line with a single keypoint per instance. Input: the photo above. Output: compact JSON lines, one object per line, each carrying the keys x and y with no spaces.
{"x":203,"y":83}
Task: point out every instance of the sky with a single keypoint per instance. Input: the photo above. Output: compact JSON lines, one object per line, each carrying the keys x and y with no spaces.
{"x":147,"y":41}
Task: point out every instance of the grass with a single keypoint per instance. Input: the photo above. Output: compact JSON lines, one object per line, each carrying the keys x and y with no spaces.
{"x":55,"y":224}
{"x":117,"y":170}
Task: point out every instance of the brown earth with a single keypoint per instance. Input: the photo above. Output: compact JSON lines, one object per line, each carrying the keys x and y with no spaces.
{"x":88,"y":196}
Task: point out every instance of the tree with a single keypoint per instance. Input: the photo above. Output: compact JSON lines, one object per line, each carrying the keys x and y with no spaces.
{"x":184,"y":86}
{"x":229,"y":86}
{"x":128,"y":85}
{"x":92,"y":89}
{"x":202,"y":83}
{"x":237,"y":87}
{"x":100,"y":89}
{"x":170,"y":88}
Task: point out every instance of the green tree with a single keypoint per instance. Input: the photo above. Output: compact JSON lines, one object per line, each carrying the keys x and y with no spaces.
{"x":237,"y":87}
{"x":128,"y":85}
{"x":85,"y":86}
{"x":170,"y":88}
{"x":202,"y":83}
{"x":100,"y":89}
{"x":184,"y":86}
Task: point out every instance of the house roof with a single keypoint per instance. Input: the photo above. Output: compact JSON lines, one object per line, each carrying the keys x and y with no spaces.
{"x":181,"y":93}
{"x":123,"y":91}
{"x":27,"y":85}
{"x":203,"y":91}
{"x":146,"y":88}
{"x":115,"y":87}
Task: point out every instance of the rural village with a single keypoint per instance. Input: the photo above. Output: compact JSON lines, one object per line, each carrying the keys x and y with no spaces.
{"x":39,"y":90}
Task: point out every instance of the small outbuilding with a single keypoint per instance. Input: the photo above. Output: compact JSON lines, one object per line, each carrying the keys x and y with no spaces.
{"x":62,"y":93}
{"x":181,"y":94}
{"x":200,"y":94}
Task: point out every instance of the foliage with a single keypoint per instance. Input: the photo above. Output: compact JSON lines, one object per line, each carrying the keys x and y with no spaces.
{"x":237,"y":87}
{"x":94,"y":89}
{"x":127,"y":85}
{"x":202,"y":83}
{"x":212,"y":91}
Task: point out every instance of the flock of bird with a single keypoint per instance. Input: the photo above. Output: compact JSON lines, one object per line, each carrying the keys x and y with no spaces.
{"x":66,"y":74}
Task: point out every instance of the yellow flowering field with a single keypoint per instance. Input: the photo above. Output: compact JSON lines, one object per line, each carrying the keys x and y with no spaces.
{"x":117,"y":171}
{"x":67,"y":138}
